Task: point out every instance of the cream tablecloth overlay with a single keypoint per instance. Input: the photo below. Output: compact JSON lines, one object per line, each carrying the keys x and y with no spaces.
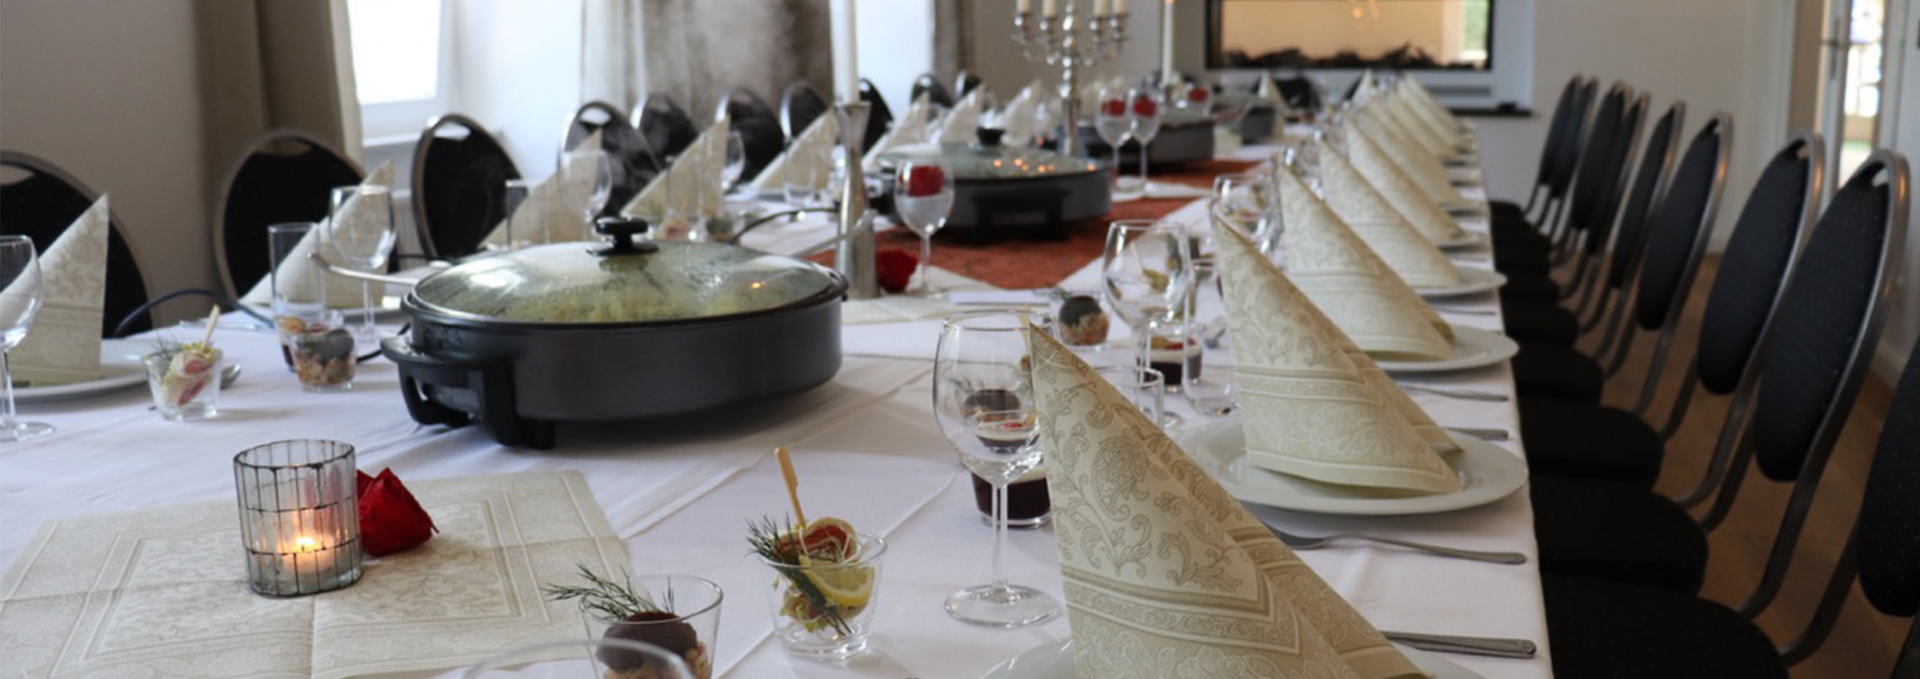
{"x":680,"y":494}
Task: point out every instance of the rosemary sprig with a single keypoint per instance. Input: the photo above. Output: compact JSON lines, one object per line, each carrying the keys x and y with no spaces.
{"x":767,"y":543}
{"x":617,"y":600}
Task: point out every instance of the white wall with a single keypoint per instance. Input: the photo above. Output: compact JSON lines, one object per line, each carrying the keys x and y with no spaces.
{"x":895,"y":39}
{"x":108,"y":90}
{"x":520,"y":73}
{"x":1900,"y":130}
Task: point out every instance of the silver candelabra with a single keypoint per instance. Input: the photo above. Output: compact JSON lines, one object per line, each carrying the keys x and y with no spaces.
{"x":1060,"y":40}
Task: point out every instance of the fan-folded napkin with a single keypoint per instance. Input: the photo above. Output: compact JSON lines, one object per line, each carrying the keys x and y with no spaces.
{"x":63,"y":344}
{"x":297,"y":270}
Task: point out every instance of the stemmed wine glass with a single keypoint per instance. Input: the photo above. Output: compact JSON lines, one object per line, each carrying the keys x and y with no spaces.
{"x":1147,"y":267}
{"x":1143,"y":115}
{"x":983,"y":401}
{"x":1249,"y":202}
{"x":736,"y":163}
{"x":1113,"y":124}
{"x":924,"y":198}
{"x":361,"y":232}
{"x":588,"y":177}
{"x":21,"y":293}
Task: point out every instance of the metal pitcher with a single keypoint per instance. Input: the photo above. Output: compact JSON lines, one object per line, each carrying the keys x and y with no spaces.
{"x":854,"y":257}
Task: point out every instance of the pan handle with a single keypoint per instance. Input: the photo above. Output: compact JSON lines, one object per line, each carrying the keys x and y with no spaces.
{"x":321,"y":261}
{"x":490,"y":380}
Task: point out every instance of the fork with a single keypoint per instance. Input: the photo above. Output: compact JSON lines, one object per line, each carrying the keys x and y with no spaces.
{"x":1462,"y":311}
{"x":1463,"y":394}
{"x":1303,"y":542}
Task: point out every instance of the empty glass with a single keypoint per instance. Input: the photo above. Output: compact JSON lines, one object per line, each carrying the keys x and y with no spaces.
{"x":582,"y":659}
{"x":922,"y":199}
{"x":1209,"y":391}
{"x":806,"y":182}
{"x":1248,"y":201}
{"x":1144,"y":387}
{"x":983,"y":402}
{"x":22,"y":291}
{"x":361,"y":233}
{"x":1143,"y":115}
{"x":1113,"y":124}
{"x":586,"y":178}
{"x":736,"y":163}
{"x":1147,"y":269}
{"x":522,"y":227}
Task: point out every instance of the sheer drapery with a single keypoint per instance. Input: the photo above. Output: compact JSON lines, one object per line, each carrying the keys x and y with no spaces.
{"x":266,"y":64}
{"x":696,"y":49}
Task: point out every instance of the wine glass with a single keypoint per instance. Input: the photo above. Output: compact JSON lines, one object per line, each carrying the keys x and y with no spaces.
{"x":360,"y":229}
{"x":1113,"y":124}
{"x":1143,"y":115}
{"x":736,"y":163}
{"x":983,"y":402}
{"x":923,"y":199}
{"x":519,"y":225}
{"x":1210,"y":392}
{"x":1147,"y":270}
{"x":21,"y":293}
{"x":1249,"y":202}
{"x":805,"y":179}
{"x":1145,"y":388}
{"x":587,"y":178}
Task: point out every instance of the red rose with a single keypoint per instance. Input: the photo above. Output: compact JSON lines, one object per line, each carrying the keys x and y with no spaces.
{"x":1197,"y":94}
{"x":1145,"y":107}
{"x":390,"y":519}
{"x":895,"y":268}
{"x":1113,"y":107}
{"x":925,"y":180}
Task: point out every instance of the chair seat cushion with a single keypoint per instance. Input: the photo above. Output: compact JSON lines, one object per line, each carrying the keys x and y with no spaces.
{"x":1607,"y":629}
{"x":1577,"y":440}
{"x":1557,"y":372}
{"x":1530,"y":286}
{"x":1505,"y":207}
{"x":1612,"y":531}
{"x":1518,"y":234}
{"x":1527,"y":260}
{"x":1540,"y":322}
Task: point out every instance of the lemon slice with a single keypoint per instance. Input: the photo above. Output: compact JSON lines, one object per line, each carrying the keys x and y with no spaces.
{"x":847,"y":587}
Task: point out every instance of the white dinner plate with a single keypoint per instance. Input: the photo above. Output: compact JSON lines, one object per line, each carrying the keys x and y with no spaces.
{"x":1054,"y":660}
{"x":1468,"y":240}
{"x":1472,"y":348}
{"x":1487,"y":473}
{"x":121,"y":366}
{"x":1472,"y":281}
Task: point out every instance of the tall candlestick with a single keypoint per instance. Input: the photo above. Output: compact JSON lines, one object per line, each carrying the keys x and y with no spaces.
{"x":1051,"y":10}
{"x":1099,"y":8}
{"x":1023,"y":6}
{"x":1166,"y":42}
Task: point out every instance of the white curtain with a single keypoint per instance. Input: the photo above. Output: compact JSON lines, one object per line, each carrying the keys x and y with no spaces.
{"x":696,"y":49}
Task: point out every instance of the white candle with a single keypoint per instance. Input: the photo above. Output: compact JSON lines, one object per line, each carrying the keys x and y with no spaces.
{"x":1166,"y":42}
{"x":1099,"y":7}
{"x":1119,"y":6}
{"x":1050,"y":8}
{"x":1023,"y":6}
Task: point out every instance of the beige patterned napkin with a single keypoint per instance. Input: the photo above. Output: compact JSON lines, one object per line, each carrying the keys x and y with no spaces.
{"x":907,"y":130}
{"x":1360,"y":193}
{"x":691,"y":184}
{"x":958,"y":127}
{"x":1166,"y":574}
{"x":1429,"y":110}
{"x":1021,"y":117}
{"x":298,"y":268}
{"x":63,"y":344}
{"x":551,"y":212}
{"x":1407,"y":253}
{"x":1359,"y":292}
{"x":1426,"y":171}
{"x":1432,"y":141}
{"x":809,"y":155}
{"x":1314,"y":405}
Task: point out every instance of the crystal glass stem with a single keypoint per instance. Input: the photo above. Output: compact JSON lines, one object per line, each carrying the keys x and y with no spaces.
{"x":1143,"y":166}
{"x":1143,"y":344}
{"x":999,"y":533}
{"x":6,"y":371}
{"x":926,"y":264}
{"x":366,"y":303}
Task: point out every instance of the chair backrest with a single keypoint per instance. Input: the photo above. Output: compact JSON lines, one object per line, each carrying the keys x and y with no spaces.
{"x":282,"y":176}
{"x":1649,"y":184}
{"x":665,"y":126}
{"x":759,"y":128}
{"x":1889,"y":528}
{"x":1300,"y":92}
{"x":800,"y":105}
{"x":1596,"y":195}
{"x":1556,"y":141}
{"x":964,"y":84}
{"x":937,"y":93}
{"x":879,"y":116}
{"x":1574,"y":143}
{"x":43,"y":204}
{"x":459,"y":178}
{"x":633,"y":163}
{"x":1676,"y":236}
{"x":1753,"y":270}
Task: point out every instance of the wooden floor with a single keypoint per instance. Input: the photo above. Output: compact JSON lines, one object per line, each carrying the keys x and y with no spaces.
{"x":1865,"y":641}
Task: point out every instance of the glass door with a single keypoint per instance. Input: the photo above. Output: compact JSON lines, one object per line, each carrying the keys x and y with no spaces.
{"x":1851,"y":89}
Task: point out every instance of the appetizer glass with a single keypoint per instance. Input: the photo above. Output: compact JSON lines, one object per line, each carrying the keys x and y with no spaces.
{"x":687,"y":632}
{"x":321,"y":352}
{"x":185,"y":385}
{"x":850,"y":591}
{"x":577,"y":660}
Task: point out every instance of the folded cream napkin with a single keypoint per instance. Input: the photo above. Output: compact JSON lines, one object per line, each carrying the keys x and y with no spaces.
{"x":907,"y":130}
{"x":553,"y":209}
{"x":1433,"y":142}
{"x":298,"y":269}
{"x":63,"y":344}
{"x":1407,"y":253}
{"x":1313,"y":405}
{"x":959,"y":124}
{"x":1359,"y":292}
{"x":1165,"y":574}
{"x":1021,"y":117}
{"x":691,"y":184}
{"x":1426,"y":171}
{"x":809,"y":155}
{"x":1430,"y":110}
{"x":1366,"y":165}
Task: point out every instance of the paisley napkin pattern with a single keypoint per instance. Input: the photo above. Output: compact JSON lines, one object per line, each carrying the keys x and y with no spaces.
{"x":958,"y":127}
{"x":1433,"y":142}
{"x":1313,"y":405}
{"x":1407,"y":253}
{"x":1425,"y":170}
{"x":63,"y":344}
{"x":1429,"y":110}
{"x":552,"y":211}
{"x":297,"y":269}
{"x":1352,"y":286}
{"x":1166,"y":575}
{"x":809,"y":155}
{"x":1399,"y":191}
{"x":692,"y":184}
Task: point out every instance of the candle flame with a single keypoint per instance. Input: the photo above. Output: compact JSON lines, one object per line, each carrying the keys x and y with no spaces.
{"x":305,"y":544}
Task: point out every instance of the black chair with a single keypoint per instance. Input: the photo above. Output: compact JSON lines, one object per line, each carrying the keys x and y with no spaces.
{"x":1526,"y":245}
{"x":964,"y":84}
{"x":1676,"y":244}
{"x":1300,"y":92}
{"x":879,"y":115}
{"x":1629,"y":241}
{"x":1813,"y":354}
{"x":1611,"y":629}
{"x":634,"y":164}
{"x":1599,"y":442}
{"x":937,"y":93}
{"x":800,"y":105}
{"x":666,"y":127}
{"x":44,"y":203}
{"x":459,"y":176}
{"x":757,"y":125}
{"x":1551,"y":148}
{"x":283,"y":176}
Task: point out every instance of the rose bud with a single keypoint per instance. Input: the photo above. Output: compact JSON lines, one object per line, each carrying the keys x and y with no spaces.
{"x":390,"y":519}
{"x":895,"y":268}
{"x":925,"y":180}
{"x":1145,"y":107}
{"x":1113,"y":107}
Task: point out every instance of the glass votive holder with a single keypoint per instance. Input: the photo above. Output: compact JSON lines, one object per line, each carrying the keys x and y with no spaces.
{"x":825,"y":610}
{"x":686,"y":624}
{"x":185,"y":385}
{"x":299,"y":516}
{"x":320,"y":352}
{"x":577,"y":659}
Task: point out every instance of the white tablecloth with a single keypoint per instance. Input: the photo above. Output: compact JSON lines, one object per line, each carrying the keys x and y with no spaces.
{"x":680,"y":494}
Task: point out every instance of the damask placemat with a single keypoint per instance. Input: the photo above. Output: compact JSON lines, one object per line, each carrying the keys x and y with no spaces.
{"x":162,"y":592}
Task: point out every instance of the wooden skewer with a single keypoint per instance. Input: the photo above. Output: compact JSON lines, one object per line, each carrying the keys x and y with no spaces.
{"x":213,"y":319}
{"x":793,"y":495}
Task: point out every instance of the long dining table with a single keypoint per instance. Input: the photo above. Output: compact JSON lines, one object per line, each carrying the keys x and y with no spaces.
{"x":680,"y":494}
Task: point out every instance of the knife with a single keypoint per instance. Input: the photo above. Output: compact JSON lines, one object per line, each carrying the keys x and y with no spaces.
{"x":1445,"y":643}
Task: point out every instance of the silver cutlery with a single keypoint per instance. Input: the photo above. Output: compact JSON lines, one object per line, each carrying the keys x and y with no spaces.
{"x":1461,"y":310}
{"x":1482,"y":434}
{"x":1446,"y":643}
{"x":1462,"y":394}
{"x":1303,"y":542}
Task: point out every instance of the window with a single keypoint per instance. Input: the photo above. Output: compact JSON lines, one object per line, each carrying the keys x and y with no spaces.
{"x":401,"y":60}
{"x":1396,"y":34}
